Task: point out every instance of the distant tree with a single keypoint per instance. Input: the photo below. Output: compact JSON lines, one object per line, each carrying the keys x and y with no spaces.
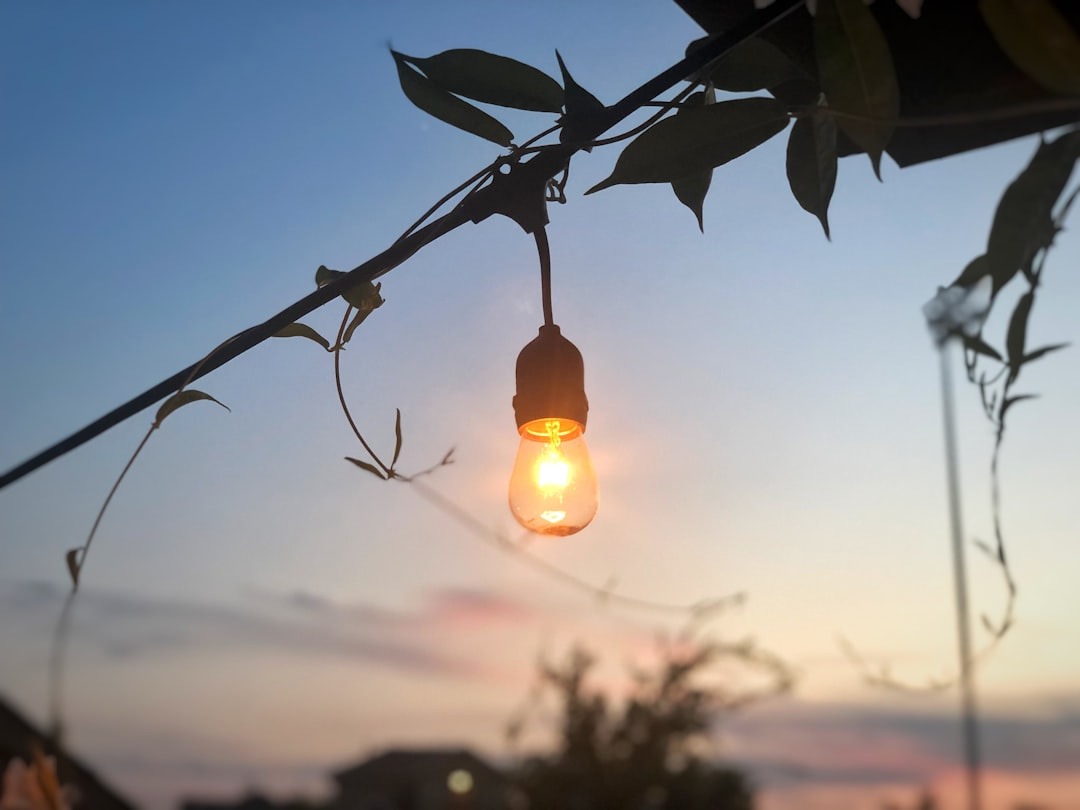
{"x":645,"y":754}
{"x":926,"y":801}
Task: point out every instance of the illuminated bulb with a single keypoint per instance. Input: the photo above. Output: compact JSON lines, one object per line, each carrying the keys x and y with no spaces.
{"x":553,"y":486}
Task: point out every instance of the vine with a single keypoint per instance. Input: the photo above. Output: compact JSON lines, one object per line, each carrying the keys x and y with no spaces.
{"x":75,"y":558}
{"x":1021,"y":236}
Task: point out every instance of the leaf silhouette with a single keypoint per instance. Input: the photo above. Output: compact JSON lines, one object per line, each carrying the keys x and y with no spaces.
{"x":1017,"y":335}
{"x":493,"y":79}
{"x":179,"y":400}
{"x":582,"y":107}
{"x":698,"y":140}
{"x":364,"y":296}
{"x":1023,"y":222}
{"x":435,"y":101}
{"x":975,"y":270}
{"x":324,"y":275}
{"x":856,"y":72}
{"x":1042,"y":352}
{"x":976,"y":344}
{"x":397,"y":438}
{"x":1038,"y":39}
{"x":72,"y":560}
{"x":357,"y":319}
{"x":304,"y":331}
{"x":363,"y":465}
{"x":692,"y":190}
{"x":1008,"y":402}
{"x":811,"y":165}
{"x":366,"y":299}
{"x":753,"y":64}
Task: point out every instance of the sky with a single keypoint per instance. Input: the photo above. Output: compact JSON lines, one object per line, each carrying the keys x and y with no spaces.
{"x":764,"y":417}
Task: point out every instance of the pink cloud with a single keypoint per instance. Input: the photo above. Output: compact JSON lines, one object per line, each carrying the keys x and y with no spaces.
{"x":1002,"y":790}
{"x":474,"y":608}
{"x":1009,"y":789}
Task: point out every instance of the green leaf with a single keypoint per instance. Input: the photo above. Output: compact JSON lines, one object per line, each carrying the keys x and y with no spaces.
{"x":363,"y":465}
{"x":1008,"y":402}
{"x":1043,"y":351}
{"x":698,"y":140}
{"x":1023,"y":222}
{"x":450,"y":109}
{"x":493,"y":79}
{"x":811,"y":165}
{"x":324,"y":275}
{"x":397,"y":438}
{"x":72,"y":560}
{"x":753,"y":64}
{"x":582,"y":107}
{"x":179,"y":400}
{"x":1063,"y":212}
{"x":366,"y":299}
{"x":975,"y":270}
{"x":364,"y":296}
{"x":1038,"y":39}
{"x":692,"y":190}
{"x":357,"y":319}
{"x":1017,"y":335}
{"x":305,"y":331}
{"x":976,"y":344}
{"x":856,"y":72}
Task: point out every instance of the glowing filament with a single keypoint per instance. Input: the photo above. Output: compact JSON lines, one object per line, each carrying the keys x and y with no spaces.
{"x":553,"y":487}
{"x":553,"y":471}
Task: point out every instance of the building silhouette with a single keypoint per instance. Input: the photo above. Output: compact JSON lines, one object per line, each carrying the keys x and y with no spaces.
{"x":18,"y":737}
{"x":431,"y":779}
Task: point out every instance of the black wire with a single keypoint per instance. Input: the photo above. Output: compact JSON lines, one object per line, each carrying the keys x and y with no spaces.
{"x":400,"y":251}
{"x":391,"y":257}
{"x":545,"y":273}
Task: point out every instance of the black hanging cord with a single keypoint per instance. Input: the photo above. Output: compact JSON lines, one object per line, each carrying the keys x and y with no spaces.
{"x":545,"y":273}
{"x":400,"y":251}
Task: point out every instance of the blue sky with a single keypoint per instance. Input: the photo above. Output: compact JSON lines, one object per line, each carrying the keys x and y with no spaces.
{"x":764,"y":404}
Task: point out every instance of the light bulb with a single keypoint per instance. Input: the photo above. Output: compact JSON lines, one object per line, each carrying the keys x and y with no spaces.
{"x":553,"y":486}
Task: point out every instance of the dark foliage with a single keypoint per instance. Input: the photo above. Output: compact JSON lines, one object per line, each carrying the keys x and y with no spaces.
{"x":640,"y":756}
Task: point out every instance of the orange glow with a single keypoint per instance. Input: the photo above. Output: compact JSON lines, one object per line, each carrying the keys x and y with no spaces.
{"x":553,"y":470}
{"x":553,"y":486}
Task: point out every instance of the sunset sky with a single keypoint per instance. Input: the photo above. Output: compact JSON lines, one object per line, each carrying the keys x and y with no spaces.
{"x":764,"y":416}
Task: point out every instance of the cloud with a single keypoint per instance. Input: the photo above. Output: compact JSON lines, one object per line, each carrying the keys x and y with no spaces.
{"x":855,"y":745}
{"x":441,"y":605}
{"x":439,"y":636}
{"x":301,"y":602}
{"x":125,"y":624}
{"x":473,"y":607}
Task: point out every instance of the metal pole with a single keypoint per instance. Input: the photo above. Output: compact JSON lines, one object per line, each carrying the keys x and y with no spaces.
{"x":969,"y":712}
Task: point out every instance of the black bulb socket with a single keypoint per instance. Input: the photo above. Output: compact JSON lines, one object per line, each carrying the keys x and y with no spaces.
{"x":550,"y":380}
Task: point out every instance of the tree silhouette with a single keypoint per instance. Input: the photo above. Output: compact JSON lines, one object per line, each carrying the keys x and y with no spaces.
{"x":647,"y":753}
